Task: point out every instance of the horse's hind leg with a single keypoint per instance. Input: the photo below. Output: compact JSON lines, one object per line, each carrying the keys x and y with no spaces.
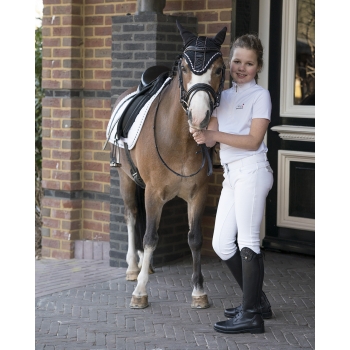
{"x":195,"y":210}
{"x":140,"y":225}
{"x":128,"y":190}
{"x":131,"y":256}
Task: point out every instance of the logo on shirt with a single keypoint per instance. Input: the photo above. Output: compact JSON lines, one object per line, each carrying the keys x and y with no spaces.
{"x":240,"y":106}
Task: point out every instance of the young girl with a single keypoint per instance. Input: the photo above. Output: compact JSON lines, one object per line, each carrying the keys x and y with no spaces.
{"x":239,"y":125}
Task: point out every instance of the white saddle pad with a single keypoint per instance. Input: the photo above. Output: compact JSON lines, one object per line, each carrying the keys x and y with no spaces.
{"x":135,"y":129}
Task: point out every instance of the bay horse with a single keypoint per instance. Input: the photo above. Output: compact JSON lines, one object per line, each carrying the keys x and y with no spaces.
{"x":168,"y":162}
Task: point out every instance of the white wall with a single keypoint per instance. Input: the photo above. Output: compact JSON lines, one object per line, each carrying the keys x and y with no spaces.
{"x":38,"y":8}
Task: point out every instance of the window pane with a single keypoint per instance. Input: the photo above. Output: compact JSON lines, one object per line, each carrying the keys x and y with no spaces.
{"x":304,"y":90}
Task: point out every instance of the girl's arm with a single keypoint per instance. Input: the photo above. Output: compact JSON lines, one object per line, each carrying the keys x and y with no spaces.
{"x":250,"y":142}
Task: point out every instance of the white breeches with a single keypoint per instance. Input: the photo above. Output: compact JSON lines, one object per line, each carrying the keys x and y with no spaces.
{"x":241,"y":206}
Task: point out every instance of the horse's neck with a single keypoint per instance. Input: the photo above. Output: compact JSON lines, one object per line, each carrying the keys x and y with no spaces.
{"x":171,"y":133}
{"x":175,"y":121}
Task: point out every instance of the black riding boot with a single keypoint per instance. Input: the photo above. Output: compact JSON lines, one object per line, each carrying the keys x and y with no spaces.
{"x":250,"y":318}
{"x":235,"y":266}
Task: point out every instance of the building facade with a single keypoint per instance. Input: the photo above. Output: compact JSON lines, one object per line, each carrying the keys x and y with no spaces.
{"x":81,"y":207}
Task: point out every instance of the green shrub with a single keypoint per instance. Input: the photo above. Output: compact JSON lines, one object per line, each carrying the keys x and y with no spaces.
{"x":38,"y":98}
{"x":38,"y":139}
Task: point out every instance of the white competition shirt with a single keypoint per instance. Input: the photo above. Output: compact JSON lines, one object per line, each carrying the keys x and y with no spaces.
{"x":238,"y":106}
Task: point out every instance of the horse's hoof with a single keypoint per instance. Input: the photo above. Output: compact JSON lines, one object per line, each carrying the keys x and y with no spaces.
{"x":132,"y":275}
{"x":200,"y":302}
{"x":151,"y":270}
{"x":139,"y":302}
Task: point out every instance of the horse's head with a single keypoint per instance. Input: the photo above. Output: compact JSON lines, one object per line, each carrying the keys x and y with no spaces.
{"x":201,"y":71}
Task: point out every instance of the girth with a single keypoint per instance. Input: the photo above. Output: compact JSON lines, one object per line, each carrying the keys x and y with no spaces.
{"x":133,"y":169}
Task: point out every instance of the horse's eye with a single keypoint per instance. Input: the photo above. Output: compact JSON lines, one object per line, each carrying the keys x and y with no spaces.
{"x":218,"y":71}
{"x":183,"y":68}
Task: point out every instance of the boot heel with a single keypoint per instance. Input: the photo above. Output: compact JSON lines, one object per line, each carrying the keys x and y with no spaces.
{"x":266,"y":315}
{"x":258,"y":330}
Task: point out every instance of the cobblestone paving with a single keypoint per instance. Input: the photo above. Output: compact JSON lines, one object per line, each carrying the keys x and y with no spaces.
{"x":83,"y":304}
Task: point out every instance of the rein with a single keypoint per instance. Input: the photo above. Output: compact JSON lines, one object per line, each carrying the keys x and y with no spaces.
{"x":204,"y":151}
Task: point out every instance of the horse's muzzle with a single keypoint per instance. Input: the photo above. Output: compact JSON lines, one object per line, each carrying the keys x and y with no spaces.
{"x":202,"y":125}
{"x":205,"y":122}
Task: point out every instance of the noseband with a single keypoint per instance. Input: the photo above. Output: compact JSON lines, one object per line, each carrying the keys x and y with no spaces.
{"x":186,"y":96}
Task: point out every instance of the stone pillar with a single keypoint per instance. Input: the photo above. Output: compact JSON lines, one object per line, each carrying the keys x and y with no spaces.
{"x":138,"y":42}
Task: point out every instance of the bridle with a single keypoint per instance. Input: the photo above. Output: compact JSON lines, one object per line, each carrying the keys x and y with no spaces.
{"x":185,"y":100}
{"x":186,"y":96}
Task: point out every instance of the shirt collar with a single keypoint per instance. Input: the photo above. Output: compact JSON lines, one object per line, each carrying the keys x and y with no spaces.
{"x":243,"y":87}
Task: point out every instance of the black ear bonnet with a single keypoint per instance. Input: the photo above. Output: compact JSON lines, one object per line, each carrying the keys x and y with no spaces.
{"x":200,"y":52}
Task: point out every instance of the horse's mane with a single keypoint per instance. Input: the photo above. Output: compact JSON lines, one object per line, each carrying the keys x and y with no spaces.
{"x":174,"y":69}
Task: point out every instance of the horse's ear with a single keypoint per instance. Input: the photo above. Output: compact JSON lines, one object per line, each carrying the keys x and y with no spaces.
{"x":186,"y":35}
{"x":220,"y":37}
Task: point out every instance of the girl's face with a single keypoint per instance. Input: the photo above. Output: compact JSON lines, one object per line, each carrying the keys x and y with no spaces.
{"x":243,"y":65}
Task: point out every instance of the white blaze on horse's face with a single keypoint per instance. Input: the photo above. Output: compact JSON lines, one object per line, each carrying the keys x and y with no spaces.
{"x":199,"y":105}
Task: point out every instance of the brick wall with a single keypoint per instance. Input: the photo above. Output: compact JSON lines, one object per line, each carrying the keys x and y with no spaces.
{"x":76,"y":109}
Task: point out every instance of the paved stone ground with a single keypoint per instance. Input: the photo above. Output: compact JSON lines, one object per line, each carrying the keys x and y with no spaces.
{"x":84,"y":305}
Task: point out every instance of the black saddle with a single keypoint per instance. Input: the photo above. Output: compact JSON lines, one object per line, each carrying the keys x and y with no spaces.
{"x":151,"y":81}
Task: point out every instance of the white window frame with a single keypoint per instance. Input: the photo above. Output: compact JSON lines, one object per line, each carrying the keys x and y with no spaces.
{"x":289,"y":29}
{"x":283,"y":183}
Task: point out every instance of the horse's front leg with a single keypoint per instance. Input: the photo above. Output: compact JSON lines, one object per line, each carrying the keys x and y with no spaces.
{"x":128,"y":190}
{"x":195,"y":211}
{"x":132,"y":254}
{"x":154,"y":207}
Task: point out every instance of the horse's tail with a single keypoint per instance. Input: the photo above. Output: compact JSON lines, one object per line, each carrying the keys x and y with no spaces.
{"x":140,"y":225}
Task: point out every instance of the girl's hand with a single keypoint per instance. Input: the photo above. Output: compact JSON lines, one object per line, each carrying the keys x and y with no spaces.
{"x":199,"y":137}
{"x":206,"y":136}
{"x":203,"y":136}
